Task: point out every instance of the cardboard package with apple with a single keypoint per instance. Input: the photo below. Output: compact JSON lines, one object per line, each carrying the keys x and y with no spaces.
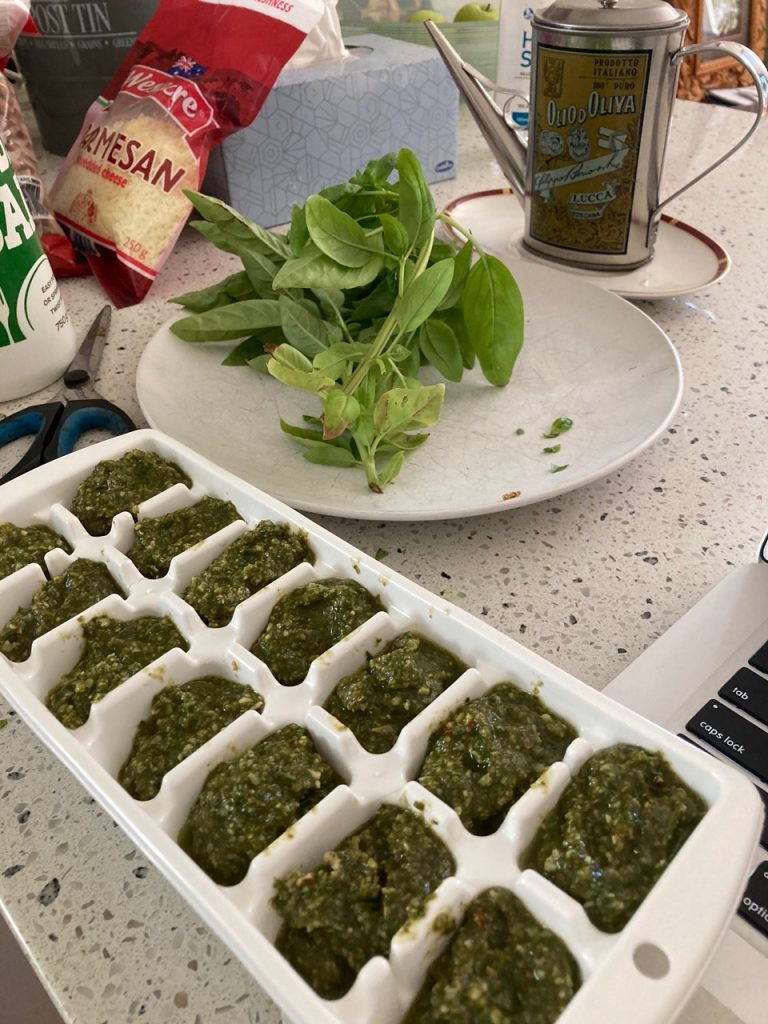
{"x":469,"y":12}
{"x":472,"y":27}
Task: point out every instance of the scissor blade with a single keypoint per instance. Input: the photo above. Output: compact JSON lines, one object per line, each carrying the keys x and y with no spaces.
{"x":89,"y":355}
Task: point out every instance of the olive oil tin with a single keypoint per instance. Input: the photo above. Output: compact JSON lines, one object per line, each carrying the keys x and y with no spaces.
{"x":620,"y":979}
{"x":603,"y":85}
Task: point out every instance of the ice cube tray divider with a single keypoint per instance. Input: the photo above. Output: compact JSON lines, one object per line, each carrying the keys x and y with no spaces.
{"x":615,"y":984}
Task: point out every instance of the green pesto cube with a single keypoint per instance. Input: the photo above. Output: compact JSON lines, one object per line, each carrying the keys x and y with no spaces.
{"x":614,"y":830}
{"x":489,"y":751}
{"x":121,"y":485}
{"x":161,"y":538}
{"x":181,"y":719}
{"x":113,"y":651}
{"x":500,"y":967}
{"x":347,"y":909}
{"x":255,"y":559}
{"x":81,"y":585}
{"x":247,"y":803}
{"x":23,"y":545}
{"x":393,"y":686}
{"x":309,"y":620}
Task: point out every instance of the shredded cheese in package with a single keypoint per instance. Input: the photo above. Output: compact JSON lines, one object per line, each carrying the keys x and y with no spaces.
{"x":199,"y":71}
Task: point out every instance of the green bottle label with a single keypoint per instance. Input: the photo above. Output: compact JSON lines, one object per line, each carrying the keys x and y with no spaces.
{"x":29,"y":293}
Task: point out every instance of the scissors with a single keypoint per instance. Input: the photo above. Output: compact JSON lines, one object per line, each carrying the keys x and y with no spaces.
{"x":58,"y":425}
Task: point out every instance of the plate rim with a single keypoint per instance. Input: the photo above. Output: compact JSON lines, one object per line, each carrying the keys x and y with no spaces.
{"x":379,"y":514}
{"x":611,"y":278}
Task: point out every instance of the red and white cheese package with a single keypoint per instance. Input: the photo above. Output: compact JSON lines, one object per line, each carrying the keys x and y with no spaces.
{"x":199,"y":71}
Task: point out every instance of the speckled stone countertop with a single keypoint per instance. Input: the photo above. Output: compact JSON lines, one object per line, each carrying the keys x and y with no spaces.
{"x":587,"y":580}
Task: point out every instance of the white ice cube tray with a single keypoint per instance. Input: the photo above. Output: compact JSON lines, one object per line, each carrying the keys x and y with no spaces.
{"x":638,"y":976}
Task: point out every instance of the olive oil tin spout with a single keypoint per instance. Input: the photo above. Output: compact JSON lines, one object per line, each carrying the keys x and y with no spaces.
{"x":504,"y":141}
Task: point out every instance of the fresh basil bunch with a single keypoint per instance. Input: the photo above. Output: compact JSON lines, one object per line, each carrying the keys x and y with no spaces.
{"x":350,"y":303}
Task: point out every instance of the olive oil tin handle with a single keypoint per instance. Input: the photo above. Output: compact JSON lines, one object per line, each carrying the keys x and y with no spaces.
{"x":759,"y":74}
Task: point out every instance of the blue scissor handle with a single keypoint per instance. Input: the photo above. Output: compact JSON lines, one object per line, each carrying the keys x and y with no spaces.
{"x":80,"y":416}
{"x":37,"y":419}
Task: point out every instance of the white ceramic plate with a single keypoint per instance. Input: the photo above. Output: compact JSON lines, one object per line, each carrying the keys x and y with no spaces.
{"x":685,"y":259}
{"x":588,"y":355}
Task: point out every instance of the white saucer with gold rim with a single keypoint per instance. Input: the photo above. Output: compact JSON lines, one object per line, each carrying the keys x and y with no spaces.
{"x":685,"y":259}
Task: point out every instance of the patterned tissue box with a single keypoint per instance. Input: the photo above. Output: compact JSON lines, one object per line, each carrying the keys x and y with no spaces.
{"x":321,"y":124}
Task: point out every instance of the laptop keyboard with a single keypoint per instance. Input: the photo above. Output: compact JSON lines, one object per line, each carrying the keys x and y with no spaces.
{"x":733,"y":736}
{"x":741,"y":739}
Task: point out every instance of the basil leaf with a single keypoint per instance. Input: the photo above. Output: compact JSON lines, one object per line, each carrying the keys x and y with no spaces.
{"x":243,"y":353}
{"x":407,"y":442}
{"x":410,"y":366}
{"x":493,"y":312}
{"x":216,"y":236}
{"x":298,"y":235}
{"x":316,"y":270}
{"x":378,"y":302}
{"x":337,"y":234}
{"x":399,"y":353}
{"x":394,"y":234}
{"x":335,"y":193}
{"x":305,"y":433}
{"x":560,"y":426}
{"x":216,"y":294}
{"x":224,"y":217}
{"x":333,"y":361}
{"x":340,"y":410}
{"x":212,"y":209}
{"x":365,"y":208}
{"x":259,"y":269}
{"x":400,"y":408}
{"x":287,"y":355}
{"x":391,"y":468}
{"x":330,"y":301}
{"x":441,"y":347}
{"x":291,"y":367}
{"x":363,"y":432}
{"x":325,"y":453}
{"x":454,"y":317}
{"x":228,"y":323}
{"x":240,"y":287}
{"x":461,"y":264}
{"x":332,"y":333}
{"x":442,"y":251}
{"x":376,"y":172}
{"x":302,"y":328}
{"x":312,"y":434}
{"x":423,"y":295}
{"x":260,"y":364}
{"x":416,"y":206}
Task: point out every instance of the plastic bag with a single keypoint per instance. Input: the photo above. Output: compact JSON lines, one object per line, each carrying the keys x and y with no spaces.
{"x":199,"y":71}
{"x":14,"y":15}
{"x":14,"y":133}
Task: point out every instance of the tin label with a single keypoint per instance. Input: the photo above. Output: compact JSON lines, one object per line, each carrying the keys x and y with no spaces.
{"x":29,"y":293}
{"x":588,"y":120}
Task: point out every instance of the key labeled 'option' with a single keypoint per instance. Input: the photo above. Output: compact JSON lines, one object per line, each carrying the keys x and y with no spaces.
{"x":754,"y":902}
